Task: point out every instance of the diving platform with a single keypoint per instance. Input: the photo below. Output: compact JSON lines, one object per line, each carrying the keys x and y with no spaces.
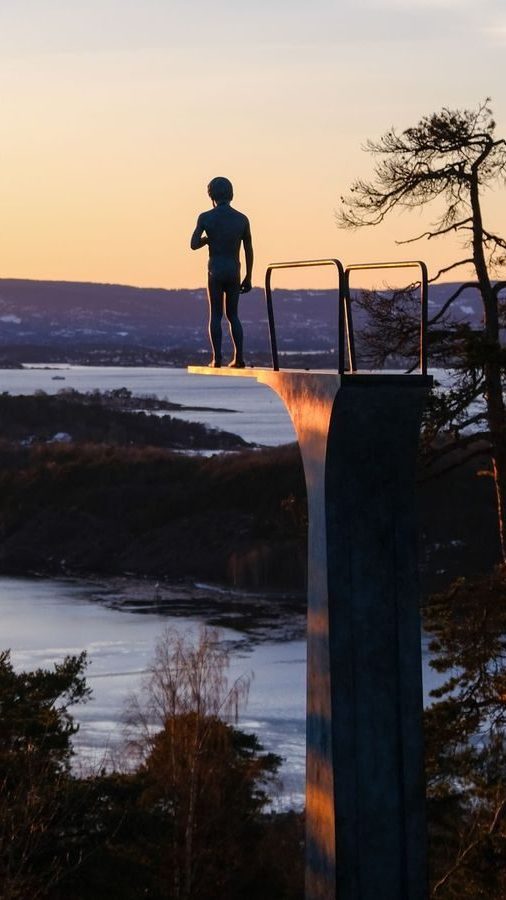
{"x":358,"y":435}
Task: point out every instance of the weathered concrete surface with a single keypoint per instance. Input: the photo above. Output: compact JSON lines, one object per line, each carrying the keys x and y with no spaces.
{"x":358,"y":436}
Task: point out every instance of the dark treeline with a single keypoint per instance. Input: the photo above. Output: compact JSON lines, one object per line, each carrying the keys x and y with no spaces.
{"x":111,"y":508}
{"x":114,"y":417}
{"x":89,"y":485}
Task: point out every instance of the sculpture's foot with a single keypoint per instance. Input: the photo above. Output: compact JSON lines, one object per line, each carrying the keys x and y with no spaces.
{"x":215,"y":364}
{"x":237,"y":364}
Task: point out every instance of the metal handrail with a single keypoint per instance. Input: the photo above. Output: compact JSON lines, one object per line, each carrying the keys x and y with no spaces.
{"x":424,"y":291}
{"x":344,"y":310}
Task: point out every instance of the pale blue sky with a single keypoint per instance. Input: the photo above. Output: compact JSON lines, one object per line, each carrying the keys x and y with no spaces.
{"x":44,"y":26}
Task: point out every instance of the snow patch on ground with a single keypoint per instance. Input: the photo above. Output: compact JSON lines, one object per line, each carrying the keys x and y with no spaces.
{"x":14,"y":320}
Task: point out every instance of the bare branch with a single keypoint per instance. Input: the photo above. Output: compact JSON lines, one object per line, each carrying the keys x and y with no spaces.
{"x":461,"y":262}
{"x":473,"y":451}
{"x":472,"y":845}
{"x":450,"y":300}
{"x":472,"y":420}
{"x":494,"y":238}
{"x":455,"y":226}
{"x":481,"y":441}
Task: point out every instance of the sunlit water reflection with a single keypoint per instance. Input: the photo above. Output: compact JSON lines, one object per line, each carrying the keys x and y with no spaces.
{"x":42,"y":620}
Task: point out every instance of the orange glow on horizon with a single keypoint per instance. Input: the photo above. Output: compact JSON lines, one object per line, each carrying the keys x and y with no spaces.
{"x":111,"y":129}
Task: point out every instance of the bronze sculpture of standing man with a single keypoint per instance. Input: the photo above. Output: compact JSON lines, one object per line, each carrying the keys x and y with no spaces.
{"x":225,"y":230}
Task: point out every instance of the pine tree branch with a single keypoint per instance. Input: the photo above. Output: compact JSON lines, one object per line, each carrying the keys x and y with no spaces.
{"x":430,"y":234}
{"x":464,"y":854}
{"x":488,"y":237}
{"x":462,"y":262}
{"x":431,"y":474}
{"x":447,"y":303}
{"x":460,"y":444}
{"x":472,"y":420}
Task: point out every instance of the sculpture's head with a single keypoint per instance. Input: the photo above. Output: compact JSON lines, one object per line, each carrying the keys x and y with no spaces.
{"x":220,"y":190}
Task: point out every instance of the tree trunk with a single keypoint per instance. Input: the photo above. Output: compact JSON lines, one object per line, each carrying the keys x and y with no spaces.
{"x":192,"y":803}
{"x":496,"y":413}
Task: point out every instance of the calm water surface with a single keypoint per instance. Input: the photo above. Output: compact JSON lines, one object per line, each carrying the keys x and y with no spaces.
{"x":256,"y":412}
{"x":44,"y":619}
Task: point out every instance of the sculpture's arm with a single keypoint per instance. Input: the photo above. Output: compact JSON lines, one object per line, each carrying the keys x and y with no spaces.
{"x":248,"y":252}
{"x":197,"y":241}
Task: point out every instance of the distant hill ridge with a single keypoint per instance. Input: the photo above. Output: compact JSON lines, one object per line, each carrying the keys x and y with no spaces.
{"x":65,"y":313}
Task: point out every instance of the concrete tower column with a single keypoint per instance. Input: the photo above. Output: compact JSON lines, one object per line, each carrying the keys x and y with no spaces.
{"x":358,"y":436}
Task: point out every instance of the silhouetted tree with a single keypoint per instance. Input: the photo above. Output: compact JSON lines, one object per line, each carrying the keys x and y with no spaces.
{"x":466,"y":740}
{"x":206,"y":777}
{"x":447,"y":159}
{"x":37,"y":807}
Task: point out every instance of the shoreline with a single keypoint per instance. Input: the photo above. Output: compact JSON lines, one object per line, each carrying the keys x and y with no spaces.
{"x":257,"y":616}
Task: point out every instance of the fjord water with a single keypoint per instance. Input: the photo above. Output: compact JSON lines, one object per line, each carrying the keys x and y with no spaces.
{"x":240,"y":405}
{"x":44,"y":619}
{"x":254,"y":412}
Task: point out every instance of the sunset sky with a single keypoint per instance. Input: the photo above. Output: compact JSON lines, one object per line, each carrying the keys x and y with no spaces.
{"x":116,"y":114}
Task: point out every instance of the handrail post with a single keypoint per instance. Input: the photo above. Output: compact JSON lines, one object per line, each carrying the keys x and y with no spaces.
{"x":343,"y":309}
{"x":344,"y":316}
{"x":270,"y":316}
{"x":424,"y":317}
{"x":424,"y":294}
